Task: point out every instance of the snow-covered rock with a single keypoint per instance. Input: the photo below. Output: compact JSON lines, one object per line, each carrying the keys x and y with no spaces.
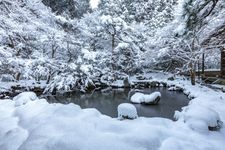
{"x":200,"y":118}
{"x":139,"y":98}
{"x":127,"y":111}
{"x":24,"y":98}
{"x":175,"y":88}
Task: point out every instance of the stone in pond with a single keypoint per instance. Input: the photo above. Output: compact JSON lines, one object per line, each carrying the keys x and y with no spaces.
{"x":154,"y":84}
{"x":127,"y":111}
{"x":151,"y":99}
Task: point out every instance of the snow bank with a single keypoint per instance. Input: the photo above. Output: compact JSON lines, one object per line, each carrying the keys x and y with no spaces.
{"x":24,"y":97}
{"x":39,"y":125}
{"x":127,"y":111}
{"x":22,"y":84}
{"x":146,"y":99}
{"x":42,"y":126}
{"x":200,"y":118}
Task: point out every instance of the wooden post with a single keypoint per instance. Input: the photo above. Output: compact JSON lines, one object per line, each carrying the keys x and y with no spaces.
{"x":192,"y":72}
{"x":199,"y":74}
{"x":203,"y":63}
{"x":222,"y":71}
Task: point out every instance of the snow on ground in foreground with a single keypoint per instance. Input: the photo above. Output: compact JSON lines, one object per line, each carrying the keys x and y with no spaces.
{"x":24,"y":98}
{"x":145,"y":98}
{"x":38,"y":125}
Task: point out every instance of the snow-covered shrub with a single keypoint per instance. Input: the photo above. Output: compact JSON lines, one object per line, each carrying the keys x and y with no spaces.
{"x":127,"y":111}
{"x":68,"y":82}
{"x":24,"y":98}
{"x":139,"y":98}
{"x":199,"y":118}
{"x":7,"y":78}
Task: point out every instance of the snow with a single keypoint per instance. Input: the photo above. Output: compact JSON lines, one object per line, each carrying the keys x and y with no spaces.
{"x":145,"y":98}
{"x":27,"y":84}
{"x":24,"y":98}
{"x":118,"y":83}
{"x":29,"y":34}
{"x":138,"y":98}
{"x":40,"y":125}
{"x":199,"y":117}
{"x":94,"y":3}
{"x":127,"y":111}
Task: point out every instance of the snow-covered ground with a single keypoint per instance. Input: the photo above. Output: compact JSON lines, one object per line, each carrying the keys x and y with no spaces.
{"x":29,"y":84}
{"x":38,"y":125}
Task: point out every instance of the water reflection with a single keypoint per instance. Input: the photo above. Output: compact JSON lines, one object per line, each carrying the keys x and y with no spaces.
{"x":107,"y":101}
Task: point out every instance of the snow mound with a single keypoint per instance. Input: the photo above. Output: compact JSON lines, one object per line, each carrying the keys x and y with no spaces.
{"x":24,"y":98}
{"x":200,"y":118}
{"x":139,"y":98}
{"x":127,"y":111}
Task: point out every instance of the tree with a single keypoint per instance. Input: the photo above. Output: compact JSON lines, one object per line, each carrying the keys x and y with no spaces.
{"x":70,"y":8}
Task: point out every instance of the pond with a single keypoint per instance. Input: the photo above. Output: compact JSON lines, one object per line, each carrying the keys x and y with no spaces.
{"x":107,"y":101}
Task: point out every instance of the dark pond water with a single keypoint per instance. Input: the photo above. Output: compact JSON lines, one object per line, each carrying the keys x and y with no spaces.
{"x":106,"y":102}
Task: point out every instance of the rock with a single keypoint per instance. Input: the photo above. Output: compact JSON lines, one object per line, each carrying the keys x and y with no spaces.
{"x":126,"y":82}
{"x":149,"y":78}
{"x":151,"y":99}
{"x":137,"y":98}
{"x":127,"y":111}
{"x":217,"y":127}
{"x":140,"y":77}
{"x":171,"y":78}
{"x":163,"y":84}
{"x":175,"y":88}
{"x":154,"y":84}
{"x":155,"y":102}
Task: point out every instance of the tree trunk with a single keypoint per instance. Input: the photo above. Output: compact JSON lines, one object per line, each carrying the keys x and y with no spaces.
{"x":49,"y":78}
{"x":203,"y":65}
{"x":192,"y":74}
{"x":113,"y":55}
{"x":53,"y":51}
{"x":18,"y":76}
{"x":193,"y":78}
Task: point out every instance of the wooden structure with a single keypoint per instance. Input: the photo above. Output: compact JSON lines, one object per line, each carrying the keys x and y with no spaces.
{"x":217,"y":40}
{"x":222,"y":63}
{"x":210,"y":73}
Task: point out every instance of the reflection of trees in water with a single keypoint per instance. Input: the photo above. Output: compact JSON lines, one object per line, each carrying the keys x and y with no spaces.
{"x":106,"y":101}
